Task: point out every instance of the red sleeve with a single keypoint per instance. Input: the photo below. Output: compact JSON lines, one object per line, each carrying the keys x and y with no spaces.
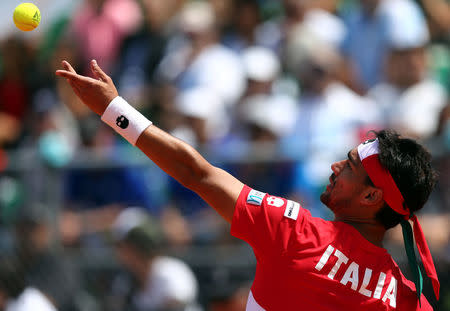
{"x":265,"y":222}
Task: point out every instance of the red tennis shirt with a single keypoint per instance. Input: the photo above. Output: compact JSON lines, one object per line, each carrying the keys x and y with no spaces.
{"x":307,"y":263}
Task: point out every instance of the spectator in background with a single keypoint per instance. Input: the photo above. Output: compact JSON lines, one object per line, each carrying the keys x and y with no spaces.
{"x":276,"y":31}
{"x":54,"y":128}
{"x":43,"y":267}
{"x":14,"y":90}
{"x":245,"y":29}
{"x":94,"y":197}
{"x":142,"y":50}
{"x":100,"y":26}
{"x":258,"y":114}
{"x":365,"y":45}
{"x":173,"y":227}
{"x":331,"y":117}
{"x":409,"y":100}
{"x":15,"y":294}
{"x":199,"y":60}
{"x":367,"y":42}
{"x":204,"y":117}
{"x":439,"y":145}
{"x":262,"y":70}
{"x":223,"y":10}
{"x":295,"y":10}
{"x":233,"y":298}
{"x":273,"y":32}
{"x":73,"y":121}
{"x":162,"y":282}
{"x":438,"y":16}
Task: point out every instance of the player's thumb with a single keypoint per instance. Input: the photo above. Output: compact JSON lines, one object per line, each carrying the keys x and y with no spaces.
{"x":98,"y":72}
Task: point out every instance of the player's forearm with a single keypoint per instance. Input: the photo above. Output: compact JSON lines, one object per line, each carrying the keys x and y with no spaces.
{"x":173,"y":156}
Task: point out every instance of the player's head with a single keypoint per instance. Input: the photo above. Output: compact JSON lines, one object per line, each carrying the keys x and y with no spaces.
{"x":352,"y":193}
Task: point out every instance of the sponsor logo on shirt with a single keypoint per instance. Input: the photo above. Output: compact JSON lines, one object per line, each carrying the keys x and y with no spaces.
{"x":292,"y":209}
{"x":274,"y":201}
{"x":255,"y":197}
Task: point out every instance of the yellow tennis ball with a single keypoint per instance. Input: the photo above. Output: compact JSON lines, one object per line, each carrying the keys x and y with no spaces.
{"x":26,"y":16}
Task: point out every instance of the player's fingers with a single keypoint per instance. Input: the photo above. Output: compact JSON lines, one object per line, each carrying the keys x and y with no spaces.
{"x":73,"y":76}
{"x":67,"y":74}
{"x":67,"y":66}
{"x":98,"y":72}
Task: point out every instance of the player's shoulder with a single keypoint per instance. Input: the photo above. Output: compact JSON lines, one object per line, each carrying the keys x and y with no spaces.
{"x":286,"y":211}
{"x":294,"y":211}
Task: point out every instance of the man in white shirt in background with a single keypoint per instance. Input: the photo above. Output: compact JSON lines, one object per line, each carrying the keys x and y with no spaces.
{"x":162,"y":282}
{"x":16,"y":295}
{"x":409,"y":100}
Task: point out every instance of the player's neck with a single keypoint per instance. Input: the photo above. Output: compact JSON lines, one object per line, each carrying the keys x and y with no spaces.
{"x":371,"y":231}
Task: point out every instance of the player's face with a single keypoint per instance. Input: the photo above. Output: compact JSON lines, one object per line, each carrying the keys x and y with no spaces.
{"x":347,"y":183}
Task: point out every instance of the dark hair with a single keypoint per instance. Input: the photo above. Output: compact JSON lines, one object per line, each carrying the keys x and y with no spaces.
{"x":410,"y":166}
{"x":12,"y":279}
{"x":146,"y":240}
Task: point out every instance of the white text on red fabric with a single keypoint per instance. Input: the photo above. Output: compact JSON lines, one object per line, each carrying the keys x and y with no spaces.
{"x":352,"y":276}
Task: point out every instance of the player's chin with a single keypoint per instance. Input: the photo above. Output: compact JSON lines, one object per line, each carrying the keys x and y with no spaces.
{"x":325,"y":197}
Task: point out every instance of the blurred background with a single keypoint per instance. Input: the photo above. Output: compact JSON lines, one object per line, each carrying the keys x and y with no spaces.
{"x":272,"y":91}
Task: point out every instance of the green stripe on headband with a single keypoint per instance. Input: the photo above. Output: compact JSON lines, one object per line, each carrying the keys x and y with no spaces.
{"x":413,"y":265}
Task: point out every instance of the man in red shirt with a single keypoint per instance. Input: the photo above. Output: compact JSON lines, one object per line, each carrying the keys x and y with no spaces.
{"x":302,"y":262}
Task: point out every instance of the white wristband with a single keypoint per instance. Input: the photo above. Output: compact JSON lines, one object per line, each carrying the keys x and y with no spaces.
{"x":125,"y":120}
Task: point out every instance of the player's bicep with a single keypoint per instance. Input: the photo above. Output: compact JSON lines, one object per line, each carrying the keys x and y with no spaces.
{"x":220,"y":190}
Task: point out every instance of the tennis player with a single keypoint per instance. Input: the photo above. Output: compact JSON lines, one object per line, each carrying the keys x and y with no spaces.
{"x":303,"y":263}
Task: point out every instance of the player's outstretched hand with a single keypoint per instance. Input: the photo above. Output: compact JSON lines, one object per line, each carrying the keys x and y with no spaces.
{"x":95,"y":93}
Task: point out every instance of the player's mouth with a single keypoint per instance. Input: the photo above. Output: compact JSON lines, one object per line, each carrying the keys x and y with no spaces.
{"x":332,"y":180}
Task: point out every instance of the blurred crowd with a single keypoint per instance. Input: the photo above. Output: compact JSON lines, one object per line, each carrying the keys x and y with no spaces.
{"x":272,"y":91}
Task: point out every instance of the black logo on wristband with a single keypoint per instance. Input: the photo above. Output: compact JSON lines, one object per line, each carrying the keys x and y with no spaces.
{"x":122,"y":122}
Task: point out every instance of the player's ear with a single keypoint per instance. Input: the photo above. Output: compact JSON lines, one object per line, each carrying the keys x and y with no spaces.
{"x":372,"y":196}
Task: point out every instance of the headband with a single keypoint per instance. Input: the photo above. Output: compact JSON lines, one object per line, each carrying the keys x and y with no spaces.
{"x":381,"y":178}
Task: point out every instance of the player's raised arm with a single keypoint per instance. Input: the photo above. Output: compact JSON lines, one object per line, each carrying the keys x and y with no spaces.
{"x":178,"y":159}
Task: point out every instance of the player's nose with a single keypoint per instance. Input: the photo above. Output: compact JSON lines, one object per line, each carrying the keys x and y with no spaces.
{"x":337,"y":167}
